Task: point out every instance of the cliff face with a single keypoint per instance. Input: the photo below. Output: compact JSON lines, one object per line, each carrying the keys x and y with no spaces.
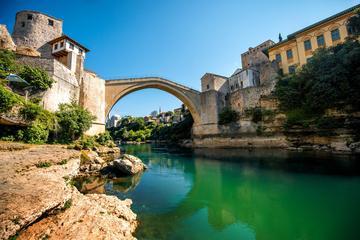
{"x":263,"y":125}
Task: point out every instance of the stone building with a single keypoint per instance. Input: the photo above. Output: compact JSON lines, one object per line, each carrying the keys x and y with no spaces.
{"x":38,"y":40}
{"x":255,"y":56}
{"x":243,"y":78}
{"x":299,"y":47}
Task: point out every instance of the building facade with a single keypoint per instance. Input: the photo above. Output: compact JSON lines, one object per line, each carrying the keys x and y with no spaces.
{"x":243,"y":78}
{"x":255,"y":56}
{"x":38,"y":41}
{"x":300,"y":46}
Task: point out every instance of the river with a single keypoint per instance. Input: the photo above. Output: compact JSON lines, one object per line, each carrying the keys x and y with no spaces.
{"x":240,"y":194}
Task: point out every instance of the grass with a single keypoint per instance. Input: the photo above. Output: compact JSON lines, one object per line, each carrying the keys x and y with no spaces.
{"x":63,"y":162}
{"x":67,"y":204}
{"x":43,"y":164}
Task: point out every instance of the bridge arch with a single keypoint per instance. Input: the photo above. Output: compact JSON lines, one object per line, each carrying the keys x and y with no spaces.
{"x":118,"y":88}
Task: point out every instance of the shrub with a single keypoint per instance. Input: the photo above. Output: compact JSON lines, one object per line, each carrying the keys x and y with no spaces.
{"x":257,"y":115}
{"x":36,"y":77}
{"x":30,"y":111}
{"x":8,"y":99}
{"x":103,"y":138}
{"x":73,"y":121}
{"x":228,"y":116}
{"x":7,"y":63}
{"x":43,"y":164}
{"x":85,"y":142}
{"x":38,"y":133}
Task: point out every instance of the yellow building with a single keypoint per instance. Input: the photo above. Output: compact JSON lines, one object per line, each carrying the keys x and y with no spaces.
{"x":300,"y":46}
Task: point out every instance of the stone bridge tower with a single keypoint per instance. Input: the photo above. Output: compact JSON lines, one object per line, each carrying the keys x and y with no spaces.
{"x":34,"y":30}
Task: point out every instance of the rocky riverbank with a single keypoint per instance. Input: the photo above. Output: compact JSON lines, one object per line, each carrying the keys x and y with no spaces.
{"x":38,"y":200}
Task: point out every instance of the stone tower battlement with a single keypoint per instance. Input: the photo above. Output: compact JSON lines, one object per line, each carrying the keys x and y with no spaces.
{"x":34,"y":29}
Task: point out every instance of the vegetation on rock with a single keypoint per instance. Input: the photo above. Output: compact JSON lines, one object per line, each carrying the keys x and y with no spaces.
{"x":227,"y":116}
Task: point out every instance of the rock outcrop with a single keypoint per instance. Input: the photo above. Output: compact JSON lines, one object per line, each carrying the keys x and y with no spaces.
{"x":129,"y":165}
{"x":38,"y":200}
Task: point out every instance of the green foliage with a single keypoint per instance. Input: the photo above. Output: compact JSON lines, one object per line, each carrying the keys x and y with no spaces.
{"x":227,"y":116}
{"x":298,"y":117}
{"x":8,"y":99}
{"x":353,"y":24}
{"x":73,"y":121}
{"x":30,"y":111}
{"x":63,"y":162}
{"x":67,"y":204}
{"x":43,"y":164}
{"x":257,"y":115}
{"x":7,"y":63}
{"x":37,"y":133}
{"x":330,"y":79}
{"x":131,"y":130}
{"x":103,"y":138}
{"x":36,"y":77}
{"x":85,"y":142}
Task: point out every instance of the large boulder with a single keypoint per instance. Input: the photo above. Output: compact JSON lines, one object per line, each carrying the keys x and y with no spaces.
{"x":129,"y":164}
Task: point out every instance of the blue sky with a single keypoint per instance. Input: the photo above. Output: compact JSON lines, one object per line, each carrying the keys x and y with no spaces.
{"x":176,"y":39}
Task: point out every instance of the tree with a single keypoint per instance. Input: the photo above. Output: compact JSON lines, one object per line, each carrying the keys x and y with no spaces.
{"x":353,"y":24}
{"x":331,"y":79}
{"x":73,"y":121}
{"x":154,"y":113}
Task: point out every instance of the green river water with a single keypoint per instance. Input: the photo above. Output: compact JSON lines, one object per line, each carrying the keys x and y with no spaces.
{"x":240,"y":194}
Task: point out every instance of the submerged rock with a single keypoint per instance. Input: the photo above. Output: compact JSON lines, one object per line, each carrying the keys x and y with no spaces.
{"x":129,"y":164}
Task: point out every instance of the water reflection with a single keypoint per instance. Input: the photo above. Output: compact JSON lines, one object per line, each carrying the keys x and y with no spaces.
{"x":237,"y":194}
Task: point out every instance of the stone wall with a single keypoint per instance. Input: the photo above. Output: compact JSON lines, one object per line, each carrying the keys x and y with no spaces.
{"x":35,"y":32}
{"x":92,"y":97}
{"x":65,"y":89}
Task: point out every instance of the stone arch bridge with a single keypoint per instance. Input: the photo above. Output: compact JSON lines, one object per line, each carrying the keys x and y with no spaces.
{"x":118,"y":88}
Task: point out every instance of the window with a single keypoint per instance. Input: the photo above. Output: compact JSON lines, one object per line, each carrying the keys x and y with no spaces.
{"x":236,"y":85}
{"x":22,"y":24}
{"x":320,"y":41}
{"x":29,"y":16}
{"x":292,"y":69}
{"x":307,"y":45}
{"x":71,"y":46}
{"x":61,"y":44}
{"x":80,"y":51}
{"x":242,"y":84}
{"x":289,"y":54}
{"x":278,"y":57}
{"x":50,"y":22}
{"x":207,"y":86}
{"x":335,"y":35}
{"x":56,"y":46}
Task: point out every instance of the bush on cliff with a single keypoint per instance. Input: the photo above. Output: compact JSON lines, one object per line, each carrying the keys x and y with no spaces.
{"x":7,"y":63}
{"x":8,"y":99}
{"x":73,"y":121}
{"x":227,"y":116}
{"x":36,"y":77}
{"x":331,"y":79}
